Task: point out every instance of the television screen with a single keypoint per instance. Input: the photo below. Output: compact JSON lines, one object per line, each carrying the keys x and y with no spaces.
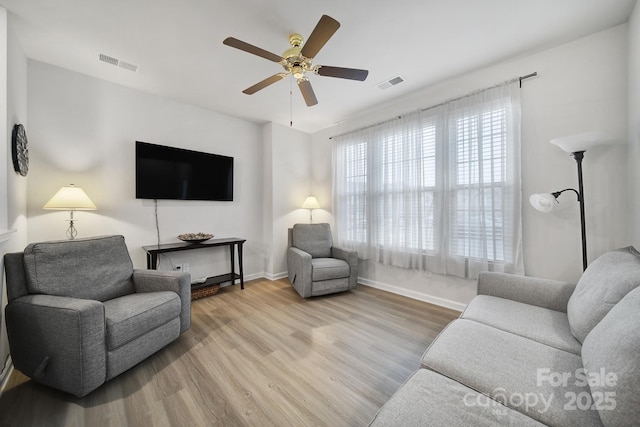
{"x":174,"y":173}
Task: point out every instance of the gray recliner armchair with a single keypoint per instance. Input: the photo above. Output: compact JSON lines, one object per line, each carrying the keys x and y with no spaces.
{"x":316,"y":267}
{"x":78,"y":314}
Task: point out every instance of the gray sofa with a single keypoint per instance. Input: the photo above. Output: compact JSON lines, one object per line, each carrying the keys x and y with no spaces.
{"x":78,"y":314}
{"x":530,"y":352}
{"x":315,"y":266}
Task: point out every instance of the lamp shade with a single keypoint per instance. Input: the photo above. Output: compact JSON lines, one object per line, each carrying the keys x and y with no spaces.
{"x":310,"y":203}
{"x":70,"y":199}
{"x":543,"y":202}
{"x":584,"y":141}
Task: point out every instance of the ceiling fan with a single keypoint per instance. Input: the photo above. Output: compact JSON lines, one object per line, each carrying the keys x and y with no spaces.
{"x":297,"y":60}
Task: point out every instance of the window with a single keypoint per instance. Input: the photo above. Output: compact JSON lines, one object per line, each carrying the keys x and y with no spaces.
{"x":436,"y":190}
{"x":480,"y":148}
{"x":355,"y":194}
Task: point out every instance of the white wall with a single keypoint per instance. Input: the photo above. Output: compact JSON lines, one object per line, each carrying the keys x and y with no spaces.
{"x":82,"y":131}
{"x":267,"y":199}
{"x":581,"y":86}
{"x":634,"y":126}
{"x":13,"y":201}
{"x":16,"y":113}
{"x":5,"y":137}
{"x":288,"y":183}
{"x":321,"y":179}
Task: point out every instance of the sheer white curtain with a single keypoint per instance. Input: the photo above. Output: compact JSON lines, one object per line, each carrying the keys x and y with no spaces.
{"x":436,"y":190}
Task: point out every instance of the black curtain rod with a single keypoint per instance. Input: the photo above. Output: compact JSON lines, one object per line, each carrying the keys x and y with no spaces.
{"x":516,"y":79}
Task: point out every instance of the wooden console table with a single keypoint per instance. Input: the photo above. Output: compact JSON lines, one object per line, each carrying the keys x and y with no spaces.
{"x":233,"y":242}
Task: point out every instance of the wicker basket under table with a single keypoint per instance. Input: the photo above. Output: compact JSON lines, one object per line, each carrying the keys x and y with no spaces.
{"x":205,"y":292}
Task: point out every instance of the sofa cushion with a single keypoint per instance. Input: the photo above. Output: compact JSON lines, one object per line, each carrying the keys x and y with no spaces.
{"x":428,"y":398}
{"x":516,"y":371}
{"x":132,"y":316}
{"x":611,"y":354}
{"x":540,"y":324}
{"x":605,"y":282}
{"x":328,"y":268}
{"x":315,"y":239}
{"x":96,"y":268}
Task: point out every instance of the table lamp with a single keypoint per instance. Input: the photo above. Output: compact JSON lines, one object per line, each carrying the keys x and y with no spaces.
{"x":70,"y":199}
{"x":311,"y":203}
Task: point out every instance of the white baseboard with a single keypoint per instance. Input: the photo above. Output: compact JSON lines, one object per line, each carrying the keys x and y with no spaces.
{"x":276,"y":276}
{"x":420,"y":296}
{"x":264,"y":275}
{"x":253,"y":276}
{"x":6,"y":373}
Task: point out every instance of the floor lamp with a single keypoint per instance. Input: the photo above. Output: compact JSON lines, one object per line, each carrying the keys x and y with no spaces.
{"x":576,"y":145}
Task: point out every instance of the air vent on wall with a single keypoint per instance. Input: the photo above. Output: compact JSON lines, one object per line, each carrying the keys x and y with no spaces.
{"x":390,"y":82}
{"x":115,"y":61}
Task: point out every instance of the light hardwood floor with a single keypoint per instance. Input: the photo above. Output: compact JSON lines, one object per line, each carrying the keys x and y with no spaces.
{"x":261,"y":356}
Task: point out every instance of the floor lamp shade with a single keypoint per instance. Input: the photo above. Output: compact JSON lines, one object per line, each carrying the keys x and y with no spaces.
{"x":70,"y":199}
{"x":583,"y":141}
{"x":543,"y":202}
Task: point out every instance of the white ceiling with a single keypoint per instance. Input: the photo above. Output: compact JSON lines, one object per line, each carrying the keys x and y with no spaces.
{"x":177,"y":45}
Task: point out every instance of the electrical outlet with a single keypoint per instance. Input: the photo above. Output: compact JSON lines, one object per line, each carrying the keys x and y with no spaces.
{"x":179,"y":267}
{"x":185,"y":267}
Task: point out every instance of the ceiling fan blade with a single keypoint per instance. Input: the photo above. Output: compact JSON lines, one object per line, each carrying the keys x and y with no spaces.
{"x":307,"y":92}
{"x":325,"y":28}
{"x":343,"y":73}
{"x":239,"y":44}
{"x":264,"y":83}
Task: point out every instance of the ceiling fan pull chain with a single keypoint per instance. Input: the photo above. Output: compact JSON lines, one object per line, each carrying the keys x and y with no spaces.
{"x":290,"y":102}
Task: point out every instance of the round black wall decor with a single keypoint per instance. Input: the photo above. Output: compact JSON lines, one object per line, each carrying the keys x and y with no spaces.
{"x":20,"y":150}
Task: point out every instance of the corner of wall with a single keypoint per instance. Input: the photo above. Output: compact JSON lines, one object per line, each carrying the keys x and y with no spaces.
{"x":634,"y":124}
{"x":14,"y":186}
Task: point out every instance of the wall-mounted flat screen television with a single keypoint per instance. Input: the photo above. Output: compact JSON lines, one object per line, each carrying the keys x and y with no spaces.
{"x":175,"y":173}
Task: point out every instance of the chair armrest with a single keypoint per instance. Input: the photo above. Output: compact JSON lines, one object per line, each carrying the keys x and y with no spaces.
{"x":351,"y":257}
{"x":547,"y":293}
{"x":299,"y":270}
{"x":58,"y":341}
{"x":176,"y":281}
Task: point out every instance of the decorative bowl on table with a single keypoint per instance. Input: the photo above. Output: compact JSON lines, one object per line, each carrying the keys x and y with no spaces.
{"x":195,"y":237}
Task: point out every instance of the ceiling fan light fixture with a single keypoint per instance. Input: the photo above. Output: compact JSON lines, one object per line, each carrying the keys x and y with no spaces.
{"x":297,"y":71}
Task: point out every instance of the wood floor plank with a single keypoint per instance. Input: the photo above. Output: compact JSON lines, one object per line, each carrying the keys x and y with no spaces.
{"x":261,"y":356}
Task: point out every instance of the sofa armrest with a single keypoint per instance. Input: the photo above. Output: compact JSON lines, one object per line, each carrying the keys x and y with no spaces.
{"x":176,"y":281}
{"x":58,"y":341}
{"x":547,"y":293}
{"x":299,"y":270}
{"x":351,"y":257}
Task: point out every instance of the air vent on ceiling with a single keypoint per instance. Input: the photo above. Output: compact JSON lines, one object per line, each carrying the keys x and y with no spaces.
{"x":390,"y":82}
{"x":118,"y":63}
{"x":128,"y":66}
{"x":108,"y":59}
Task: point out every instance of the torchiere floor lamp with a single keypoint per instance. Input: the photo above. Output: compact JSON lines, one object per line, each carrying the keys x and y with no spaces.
{"x":576,"y":145}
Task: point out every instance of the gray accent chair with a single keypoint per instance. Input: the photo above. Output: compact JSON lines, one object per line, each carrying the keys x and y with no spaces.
{"x":529,"y":351}
{"x":78,"y":314}
{"x":315,"y":266}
